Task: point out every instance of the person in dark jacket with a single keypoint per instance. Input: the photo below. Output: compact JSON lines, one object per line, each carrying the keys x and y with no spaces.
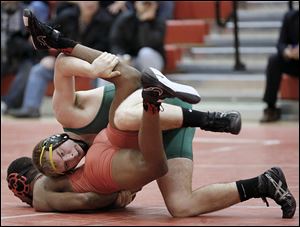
{"x":286,"y":60}
{"x":17,"y":52}
{"x":84,"y":21}
{"x":138,"y":36}
{"x":87,"y":23}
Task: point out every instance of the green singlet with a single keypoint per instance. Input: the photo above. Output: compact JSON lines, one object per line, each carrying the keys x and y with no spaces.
{"x":177,"y":142}
{"x":101,"y":120}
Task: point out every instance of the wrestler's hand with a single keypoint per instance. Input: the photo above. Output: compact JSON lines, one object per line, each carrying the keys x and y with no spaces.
{"x":103,"y":66}
{"x":124,"y":198}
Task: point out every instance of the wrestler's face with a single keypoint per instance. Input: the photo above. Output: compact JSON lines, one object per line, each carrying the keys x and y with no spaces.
{"x":67,"y":156}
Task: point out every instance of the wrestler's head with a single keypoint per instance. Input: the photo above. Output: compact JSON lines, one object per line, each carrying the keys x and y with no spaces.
{"x":21,"y":174}
{"x":58,"y":154}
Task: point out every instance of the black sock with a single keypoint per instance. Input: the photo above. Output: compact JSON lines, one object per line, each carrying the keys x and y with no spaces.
{"x":248,"y":188}
{"x":66,"y":45}
{"x":152,"y":107}
{"x":194,"y":118}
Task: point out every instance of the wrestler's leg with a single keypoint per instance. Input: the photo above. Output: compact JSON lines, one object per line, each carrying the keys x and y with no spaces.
{"x":127,"y":83}
{"x":54,"y":39}
{"x":89,"y":55}
{"x":182,"y":201}
{"x":129,"y":113}
{"x":176,"y":114}
{"x":150,"y":140}
{"x":176,"y":186}
{"x":132,"y":169}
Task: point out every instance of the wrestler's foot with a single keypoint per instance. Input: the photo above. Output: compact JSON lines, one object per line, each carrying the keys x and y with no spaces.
{"x":224,"y":122}
{"x":160,"y":87}
{"x":45,"y":37}
{"x":272,"y":184}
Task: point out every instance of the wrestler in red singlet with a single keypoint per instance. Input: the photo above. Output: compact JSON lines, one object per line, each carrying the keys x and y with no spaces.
{"x":95,"y":175}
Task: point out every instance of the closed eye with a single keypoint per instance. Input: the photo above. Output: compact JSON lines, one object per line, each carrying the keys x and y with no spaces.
{"x":66,"y":166}
{"x":59,"y":154}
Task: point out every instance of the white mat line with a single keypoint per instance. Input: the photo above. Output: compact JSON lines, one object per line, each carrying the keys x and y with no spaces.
{"x":243,"y":165}
{"x":236,"y":141}
{"x":27,"y":215}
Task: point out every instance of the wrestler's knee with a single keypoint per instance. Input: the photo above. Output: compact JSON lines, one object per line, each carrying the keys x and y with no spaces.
{"x":59,"y":61}
{"x":126,"y":119}
{"x":180,"y":208}
{"x":130,"y":77}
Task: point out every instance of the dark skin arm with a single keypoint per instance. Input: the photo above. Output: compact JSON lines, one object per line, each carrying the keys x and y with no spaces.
{"x":72,"y":201}
{"x":55,"y":194}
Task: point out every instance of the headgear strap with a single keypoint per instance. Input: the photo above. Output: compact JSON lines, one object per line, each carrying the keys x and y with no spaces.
{"x":50,"y":144}
{"x":55,"y":141}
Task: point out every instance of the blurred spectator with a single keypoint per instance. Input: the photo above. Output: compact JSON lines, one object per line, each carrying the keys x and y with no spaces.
{"x":17,"y":51}
{"x":83,"y":21}
{"x":117,"y":7}
{"x":165,"y":10}
{"x":285,"y":61}
{"x":138,"y":36}
{"x":61,"y":6}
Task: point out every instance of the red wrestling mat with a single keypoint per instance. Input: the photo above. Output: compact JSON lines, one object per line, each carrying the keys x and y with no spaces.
{"x":218,"y":157}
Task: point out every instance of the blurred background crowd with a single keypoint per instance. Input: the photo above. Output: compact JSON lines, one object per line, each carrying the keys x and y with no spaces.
{"x":140,"y":33}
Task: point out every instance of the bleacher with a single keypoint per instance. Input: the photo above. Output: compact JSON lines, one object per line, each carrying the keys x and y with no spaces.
{"x":188,"y":29}
{"x":289,"y":87}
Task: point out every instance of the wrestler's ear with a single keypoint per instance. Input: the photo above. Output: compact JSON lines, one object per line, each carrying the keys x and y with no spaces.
{"x":114,"y":74}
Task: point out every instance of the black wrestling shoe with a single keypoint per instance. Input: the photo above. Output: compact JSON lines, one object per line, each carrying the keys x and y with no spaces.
{"x":272,"y":184}
{"x":43,"y":36}
{"x":160,"y":87}
{"x":224,"y":122}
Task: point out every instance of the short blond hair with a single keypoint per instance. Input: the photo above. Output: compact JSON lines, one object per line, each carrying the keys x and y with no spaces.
{"x":41,"y":162}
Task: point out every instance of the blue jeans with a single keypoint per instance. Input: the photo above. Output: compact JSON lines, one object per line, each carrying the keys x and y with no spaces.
{"x":37,"y":85}
{"x":40,"y":9}
{"x":15,"y":94}
{"x":148,"y":57}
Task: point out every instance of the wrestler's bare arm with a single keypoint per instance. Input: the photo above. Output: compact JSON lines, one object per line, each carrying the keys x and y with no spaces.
{"x":56,"y":195}
{"x":72,"y":201}
{"x":132,"y":169}
{"x":68,"y":104}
